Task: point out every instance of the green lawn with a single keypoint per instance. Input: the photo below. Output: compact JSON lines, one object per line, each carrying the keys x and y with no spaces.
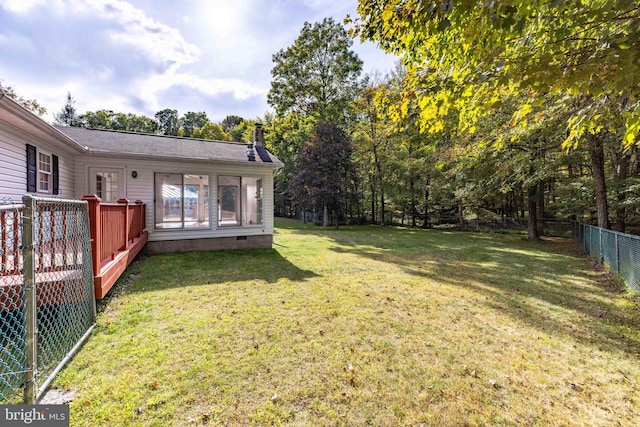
{"x":364,"y":326}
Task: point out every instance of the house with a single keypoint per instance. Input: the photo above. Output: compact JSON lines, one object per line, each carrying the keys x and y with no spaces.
{"x":36,"y":157}
{"x":194,"y":194}
{"x":201,"y":195}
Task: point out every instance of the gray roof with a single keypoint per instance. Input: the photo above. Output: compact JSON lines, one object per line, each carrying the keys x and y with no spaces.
{"x":101,"y":141}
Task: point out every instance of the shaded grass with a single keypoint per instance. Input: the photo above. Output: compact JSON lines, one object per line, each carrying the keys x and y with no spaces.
{"x":364,"y":326}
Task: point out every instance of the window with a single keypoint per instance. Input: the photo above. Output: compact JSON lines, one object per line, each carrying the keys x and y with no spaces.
{"x":107,"y":183}
{"x":42,"y":171}
{"x":239,"y":201}
{"x":107,"y":186}
{"x":181,"y":201}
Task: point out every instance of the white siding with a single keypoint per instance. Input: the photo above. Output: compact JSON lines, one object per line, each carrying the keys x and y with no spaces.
{"x":142,"y":188}
{"x":13,"y":165}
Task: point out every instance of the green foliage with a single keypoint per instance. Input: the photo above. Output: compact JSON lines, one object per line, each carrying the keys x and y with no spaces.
{"x":325,"y":175}
{"x":285,"y":137}
{"x":230,"y":123}
{"x":211,"y":131}
{"x":30,"y":104}
{"x":190,"y":121}
{"x":243,"y":131}
{"x":317,"y":76}
{"x":466,"y":50}
{"x":68,"y":115}
{"x":107,"y":119}
{"x":168,"y":122}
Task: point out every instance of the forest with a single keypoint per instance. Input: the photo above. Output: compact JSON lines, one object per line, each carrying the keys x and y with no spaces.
{"x":501,"y":110}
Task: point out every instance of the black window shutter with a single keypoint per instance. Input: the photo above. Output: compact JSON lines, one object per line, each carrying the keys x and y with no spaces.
{"x":56,"y":174}
{"x":32,"y":169}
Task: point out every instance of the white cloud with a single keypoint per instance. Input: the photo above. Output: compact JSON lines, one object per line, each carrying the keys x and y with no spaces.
{"x":16,"y":43}
{"x":151,"y":89}
{"x":139,"y":56}
{"x":20,"y":6}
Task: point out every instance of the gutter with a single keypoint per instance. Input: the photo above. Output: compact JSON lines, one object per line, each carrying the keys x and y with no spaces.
{"x":95,"y":152}
{"x":37,"y":123}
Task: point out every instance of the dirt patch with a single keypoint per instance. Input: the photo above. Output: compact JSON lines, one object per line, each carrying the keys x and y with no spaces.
{"x":56,"y":396}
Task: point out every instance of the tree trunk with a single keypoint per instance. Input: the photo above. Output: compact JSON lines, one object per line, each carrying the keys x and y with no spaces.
{"x":461,"y":222}
{"x":381,"y":181}
{"x":373,"y":201}
{"x":425,"y":224}
{"x":598,"y":173}
{"x":325,"y":216}
{"x":621,"y":210}
{"x":382,"y":219}
{"x":540,"y":207}
{"x":532,"y":222}
{"x":413,"y":202}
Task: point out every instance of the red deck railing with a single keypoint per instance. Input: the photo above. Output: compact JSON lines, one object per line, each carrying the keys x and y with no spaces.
{"x":118,"y":234}
{"x":10,"y":230}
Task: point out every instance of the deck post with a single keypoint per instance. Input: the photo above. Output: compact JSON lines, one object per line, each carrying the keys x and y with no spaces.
{"x":141,"y":224}
{"x":127,"y":220}
{"x":3,"y":223}
{"x":95,"y":227}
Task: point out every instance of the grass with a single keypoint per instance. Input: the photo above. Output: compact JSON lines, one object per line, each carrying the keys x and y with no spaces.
{"x":364,"y":326}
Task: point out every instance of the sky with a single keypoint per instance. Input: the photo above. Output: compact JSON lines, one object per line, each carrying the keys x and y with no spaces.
{"x":141,"y":56}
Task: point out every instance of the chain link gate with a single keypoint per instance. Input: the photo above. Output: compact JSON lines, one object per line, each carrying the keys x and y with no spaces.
{"x":47,"y":297}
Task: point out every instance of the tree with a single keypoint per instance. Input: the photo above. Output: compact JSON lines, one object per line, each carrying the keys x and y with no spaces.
{"x":371,"y":136}
{"x":168,"y":121}
{"x":318,"y":75}
{"x":230,"y":123}
{"x":191,"y":121}
{"x":141,"y":124}
{"x":285,"y":137}
{"x":325,"y":174}
{"x":468,"y":55}
{"x":210,"y":131}
{"x":68,"y":116}
{"x":468,"y":49}
{"x":30,"y":104}
{"x":100,"y":119}
{"x":107,"y":119}
{"x":237,"y":127}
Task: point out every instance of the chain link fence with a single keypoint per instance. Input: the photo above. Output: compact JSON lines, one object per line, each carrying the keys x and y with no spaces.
{"x":47,"y":302}
{"x":620,"y":252}
{"x":13,"y":354}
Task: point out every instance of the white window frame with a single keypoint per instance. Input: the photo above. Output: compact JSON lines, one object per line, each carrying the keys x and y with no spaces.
{"x":182,"y":223}
{"x":93,"y":170}
{"x":44,"y":173}
{"x":243,"y":218}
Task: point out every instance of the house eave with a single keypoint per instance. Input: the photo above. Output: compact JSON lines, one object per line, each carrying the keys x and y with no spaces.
{"x":25,"y":121}
{"x":144,"y":156}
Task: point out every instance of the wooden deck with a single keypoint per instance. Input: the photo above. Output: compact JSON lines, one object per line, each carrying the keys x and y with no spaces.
{"x":52,"y":288}
{"x":117,"y":235}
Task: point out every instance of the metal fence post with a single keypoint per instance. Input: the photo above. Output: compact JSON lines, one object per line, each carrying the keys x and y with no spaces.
{"x":31,"y":327}
{"x":617,"y":254}
{"x":600,"y":247}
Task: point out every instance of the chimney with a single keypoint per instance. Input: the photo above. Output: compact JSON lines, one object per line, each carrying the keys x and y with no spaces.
{"x":258,"y":135}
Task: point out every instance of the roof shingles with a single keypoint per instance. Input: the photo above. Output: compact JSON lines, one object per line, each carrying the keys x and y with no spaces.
{"x":146,"y":145}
